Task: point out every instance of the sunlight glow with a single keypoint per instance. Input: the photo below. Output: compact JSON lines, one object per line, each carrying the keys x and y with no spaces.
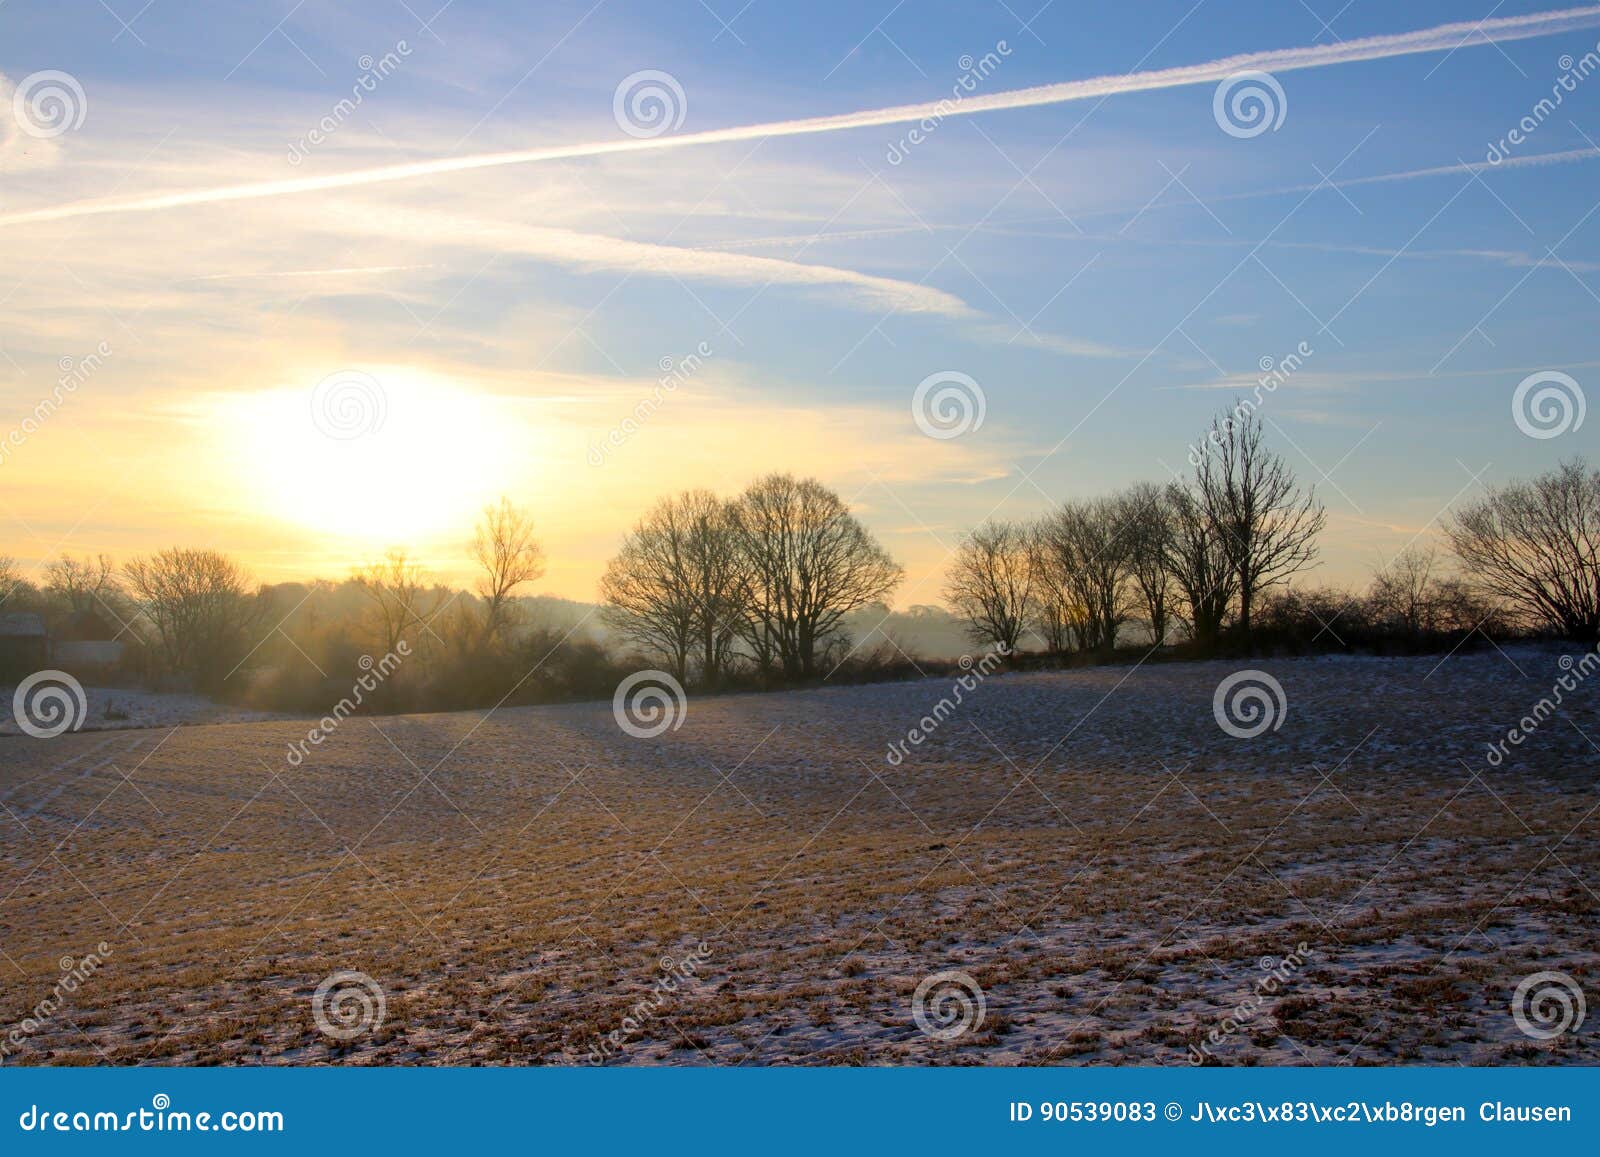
{"x":387,"y":456}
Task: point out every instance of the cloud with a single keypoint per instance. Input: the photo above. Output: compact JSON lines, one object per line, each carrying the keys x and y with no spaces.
{"x":1444,"y":37}
{"x":1002,"y":333}
{"x":594,"y":251}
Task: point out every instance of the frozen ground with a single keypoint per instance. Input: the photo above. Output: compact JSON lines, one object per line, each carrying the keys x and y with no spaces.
{"x":1114,"y":871}
{"x":116,"y":709}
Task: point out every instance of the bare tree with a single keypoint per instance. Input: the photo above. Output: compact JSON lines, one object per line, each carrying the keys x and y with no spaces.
{"x":717,"y":579}
{"x":1200,"y":563}
{"x":675,"y":585}
{"x":991,"y":583}
{"x":1089,"y":545}
{"x":646,"y":589}
{"x":509,"y":555}
{"x":1406,"y":591}
{"x":1459,"y":604}
{"x":395,"y":588}
{"x":1056,"y":618}
{"x":808,"y":563}
{"x":1147,"y":514}
{"x":1268,"y":524}
{"x":1536,"y":545}
{"x":82,"y":583}
{"x":202,"y":608}
{"x":10,"y":577}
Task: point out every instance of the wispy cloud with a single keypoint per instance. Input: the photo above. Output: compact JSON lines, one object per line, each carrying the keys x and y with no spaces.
{"x":1445,"y":37}
{"x":1004,"y":333}
{"x":586,"y":251}
{"x":594,"y":251}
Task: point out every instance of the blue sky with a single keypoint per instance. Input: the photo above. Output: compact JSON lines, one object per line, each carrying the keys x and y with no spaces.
{"x":1110,"y":272}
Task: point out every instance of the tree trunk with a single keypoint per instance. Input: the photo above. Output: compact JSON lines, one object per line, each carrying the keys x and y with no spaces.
{"x":708,"y":666}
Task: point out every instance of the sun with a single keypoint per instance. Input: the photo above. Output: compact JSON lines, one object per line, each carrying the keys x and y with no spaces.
{"x":380,"y":455}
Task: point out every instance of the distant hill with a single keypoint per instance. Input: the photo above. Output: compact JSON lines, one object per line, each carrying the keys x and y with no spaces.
{"x":923,"y":632}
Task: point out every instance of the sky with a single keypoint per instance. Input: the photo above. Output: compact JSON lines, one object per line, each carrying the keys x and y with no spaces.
{"x":305,"y":281}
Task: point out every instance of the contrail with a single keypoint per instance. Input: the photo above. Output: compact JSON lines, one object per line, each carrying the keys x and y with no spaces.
{"x":1445,"y":37}
{"x":1532,"y":160}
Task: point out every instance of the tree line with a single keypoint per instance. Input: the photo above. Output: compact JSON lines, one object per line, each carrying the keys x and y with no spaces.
{"x":194,"y":618}
{"x":1200,"y":559}
{"x":768,"y":587}
{"x":765,"y":580}
{"x":1197,"y":554}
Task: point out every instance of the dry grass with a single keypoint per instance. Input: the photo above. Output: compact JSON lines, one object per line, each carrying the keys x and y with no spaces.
{"x":1089,"y":847}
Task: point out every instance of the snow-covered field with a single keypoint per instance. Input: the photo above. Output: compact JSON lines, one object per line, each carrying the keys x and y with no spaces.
{"x":119,"y":709}
{"x":1088,"y":856}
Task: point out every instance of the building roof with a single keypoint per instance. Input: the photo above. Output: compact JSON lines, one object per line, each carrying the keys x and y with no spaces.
{"x":22,"y":624}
